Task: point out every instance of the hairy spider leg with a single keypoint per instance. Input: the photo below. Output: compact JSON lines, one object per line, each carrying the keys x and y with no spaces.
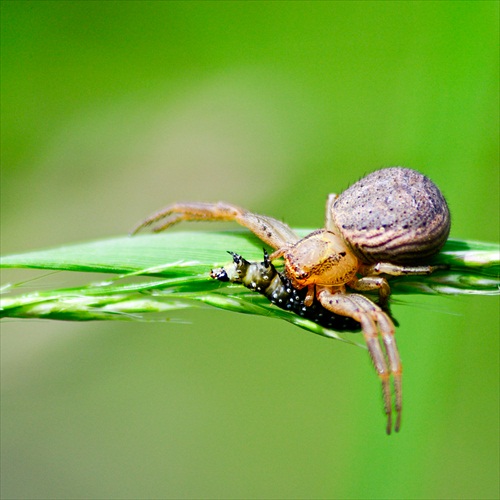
{"x":329,"y":224}
{"x":271,"y":231}
{"x":371,"y":280}
{"x":399,"y":270}
{"x":372,"y":320}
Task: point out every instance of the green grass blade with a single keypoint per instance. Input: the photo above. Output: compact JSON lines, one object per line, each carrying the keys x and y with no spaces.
{"x":186,"y":253}
{"x":156,"y":274}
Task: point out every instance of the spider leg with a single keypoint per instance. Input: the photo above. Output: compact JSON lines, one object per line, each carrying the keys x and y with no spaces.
{"x":275,"y":233}
{"x":368,"y":283}
{"x":372,"y":280}
{"x":387,"y":332}
{"x":398,"y":270}
{"x":177,"y":212}
{"x":373,"y":320}
{"x":329,"y":224}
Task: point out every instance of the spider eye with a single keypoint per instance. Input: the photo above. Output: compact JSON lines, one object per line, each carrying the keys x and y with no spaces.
{"x":301,"y":275}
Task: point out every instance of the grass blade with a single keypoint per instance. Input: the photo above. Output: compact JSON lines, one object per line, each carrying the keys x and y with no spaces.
{"x":156,"y":274}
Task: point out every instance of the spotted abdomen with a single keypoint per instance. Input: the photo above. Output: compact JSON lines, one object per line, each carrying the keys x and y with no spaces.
{"x":393,"y":215}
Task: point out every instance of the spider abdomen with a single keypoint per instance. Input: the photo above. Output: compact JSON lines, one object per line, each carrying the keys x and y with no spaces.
{"x":393,"y":215}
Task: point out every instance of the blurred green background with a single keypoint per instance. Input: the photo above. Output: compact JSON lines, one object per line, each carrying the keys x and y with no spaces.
{"x":110,"y":110}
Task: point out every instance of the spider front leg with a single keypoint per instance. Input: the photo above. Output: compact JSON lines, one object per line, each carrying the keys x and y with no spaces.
{"x":373,"y":322}
{"x":271,"y":231}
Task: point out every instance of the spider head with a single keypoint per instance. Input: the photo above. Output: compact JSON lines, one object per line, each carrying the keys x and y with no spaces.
{"x":321,"y":258}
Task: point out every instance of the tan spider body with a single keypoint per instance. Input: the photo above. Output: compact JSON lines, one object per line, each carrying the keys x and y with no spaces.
{"x":383,"y":224}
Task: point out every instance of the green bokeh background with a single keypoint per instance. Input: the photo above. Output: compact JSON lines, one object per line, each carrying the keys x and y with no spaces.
{"x":112,"y":109}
